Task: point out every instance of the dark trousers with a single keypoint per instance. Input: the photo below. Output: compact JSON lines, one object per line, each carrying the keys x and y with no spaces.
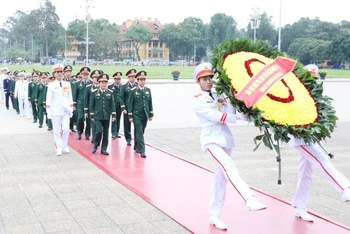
{"x":127,"y":127}
{"x":7,"y":101}
{"x":93,"y":130}
{"x":41,"y":111}
{"x":16,"y":105}
{"x":139,"y":130}
{"x":102,"y":128}
{"x":80,"y":123}
{"x":73,"y":120}
{"x":116,"y":124}
{"x":34,"y":110}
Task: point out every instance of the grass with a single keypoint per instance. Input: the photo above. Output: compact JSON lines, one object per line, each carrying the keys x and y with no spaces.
{"x":156,"y":72}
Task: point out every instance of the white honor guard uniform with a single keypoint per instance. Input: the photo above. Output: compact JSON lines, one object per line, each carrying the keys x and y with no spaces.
{"x":21,"y":93}
{"x":59,"y":108}
{"x":311,"y":155}
{"x":214,"y":112}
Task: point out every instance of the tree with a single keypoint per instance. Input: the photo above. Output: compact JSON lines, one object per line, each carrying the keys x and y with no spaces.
{"x":221,"y":28}
{"x":192,"y":35}
{"x":308,"y":50}
{"x":138,"y":35}
{"x":340,"y":46}
{"x":171,"y":35}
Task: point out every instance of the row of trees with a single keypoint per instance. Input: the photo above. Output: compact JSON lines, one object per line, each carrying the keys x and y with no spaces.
{"x":39,"y":34}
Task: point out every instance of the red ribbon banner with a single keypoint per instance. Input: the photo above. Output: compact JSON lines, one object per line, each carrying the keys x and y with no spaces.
{"x":260,"y":84}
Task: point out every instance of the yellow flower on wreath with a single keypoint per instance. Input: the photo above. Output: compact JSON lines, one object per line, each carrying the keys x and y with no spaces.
{"x":287,"y":103}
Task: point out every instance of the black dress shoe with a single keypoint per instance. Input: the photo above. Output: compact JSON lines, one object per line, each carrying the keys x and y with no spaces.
{"x":143,"y":155}
{"x":73,"y":130}
{"x":113,"y":137}
{"x":40,"y":126}
{"x":104,"y":152}
{"x":49,"y":129}
{"x":79,"y":136}
{"x":87,"y":138}
{"x":117,"y":136}
{"x":35,"y":121}
{"x":128,"y":143}
{"x":94,"y":149}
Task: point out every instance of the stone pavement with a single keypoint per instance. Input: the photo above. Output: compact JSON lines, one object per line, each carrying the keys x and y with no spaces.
{"x":43,"y":193}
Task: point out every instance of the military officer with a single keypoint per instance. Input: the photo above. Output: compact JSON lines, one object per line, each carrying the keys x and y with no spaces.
{"x":32,"y":90}
{"x":7,"y":90}
{"x":48,"y":120}
{"x":39,"y":97}
{"x":12,"y":90}
{"x":124,"y":97}
{"x":79,"y":99}
{"x":115,"y":87}
{"x":67,"y":72}
{"x":214,"y":112}
{"x":140,"y":110}
{"x":59,"y":107}
{"x":101,"y":108}
{"x":89,"y":88}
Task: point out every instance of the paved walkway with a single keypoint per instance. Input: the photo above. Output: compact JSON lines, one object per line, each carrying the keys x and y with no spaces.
{"x":43,"y":193}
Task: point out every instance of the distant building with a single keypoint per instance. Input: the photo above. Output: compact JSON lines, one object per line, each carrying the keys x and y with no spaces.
{"x":153,"y":50}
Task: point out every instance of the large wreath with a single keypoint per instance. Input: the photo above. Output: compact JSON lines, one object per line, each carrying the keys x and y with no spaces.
{"x":295,"y":105}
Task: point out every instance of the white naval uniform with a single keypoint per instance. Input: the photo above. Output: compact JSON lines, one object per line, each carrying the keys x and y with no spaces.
{"x":21,"y":93}
{"x":312,"y":155}
{"x":217,"y":141}
{"x":59,"y":108}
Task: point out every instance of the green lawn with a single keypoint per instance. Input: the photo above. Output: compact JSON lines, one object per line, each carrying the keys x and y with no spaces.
{"x":158,"y":72}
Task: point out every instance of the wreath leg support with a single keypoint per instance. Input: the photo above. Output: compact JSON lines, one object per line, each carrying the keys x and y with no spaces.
{"x":325,"y":150}
{"x":277,"y":152}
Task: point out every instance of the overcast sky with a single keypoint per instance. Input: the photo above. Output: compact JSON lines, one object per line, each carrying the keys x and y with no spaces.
{"x":177,"y":10}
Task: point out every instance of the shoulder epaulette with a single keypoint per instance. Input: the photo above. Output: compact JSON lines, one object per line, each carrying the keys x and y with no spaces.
{"x":133,"y":88}
{"x":88,"y":85}
{"x":197,"y":95}
{"x":110,"y":90}
{"x":94,"y":90}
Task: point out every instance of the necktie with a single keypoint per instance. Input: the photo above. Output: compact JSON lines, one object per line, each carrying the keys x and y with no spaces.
{"x":211,"y":95}
{"x":60,"y":84}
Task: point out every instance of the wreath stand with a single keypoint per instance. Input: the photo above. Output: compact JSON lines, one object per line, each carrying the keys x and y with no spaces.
{"x":277,"y":151}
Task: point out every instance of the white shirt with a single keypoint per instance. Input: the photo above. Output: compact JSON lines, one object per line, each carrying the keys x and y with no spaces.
{"x":213,"y":115}
{"x":59,"y":99}
{"x":21,"y":89}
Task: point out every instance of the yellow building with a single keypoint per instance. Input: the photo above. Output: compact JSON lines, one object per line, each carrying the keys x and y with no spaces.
{"x":153,"y":50}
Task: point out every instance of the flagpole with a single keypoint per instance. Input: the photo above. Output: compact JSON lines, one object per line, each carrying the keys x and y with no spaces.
{"x":279,"y":28}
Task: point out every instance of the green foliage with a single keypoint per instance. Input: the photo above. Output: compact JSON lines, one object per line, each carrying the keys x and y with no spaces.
{"x":319,"y":130}
{"x":221,"y":28}
{"x":138,"y":35}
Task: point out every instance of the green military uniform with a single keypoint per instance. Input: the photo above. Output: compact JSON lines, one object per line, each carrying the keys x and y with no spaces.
{"x":39,"y":102}
{"x":140,"y":109}
{"x":101,"y":108}
{"x":116,"y":93}
{"x":73,"y":119}
{"x":12,"y":91}
{"x":80,"y":87}
{"x":48,"y":121}
{"x":88,"y":91}
{"x":32,"y":90}
{"x":124,"y":97}
{"x":72,"y":81}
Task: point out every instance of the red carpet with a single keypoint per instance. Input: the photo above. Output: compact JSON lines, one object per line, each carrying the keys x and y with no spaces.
{"x":181,"y":189}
